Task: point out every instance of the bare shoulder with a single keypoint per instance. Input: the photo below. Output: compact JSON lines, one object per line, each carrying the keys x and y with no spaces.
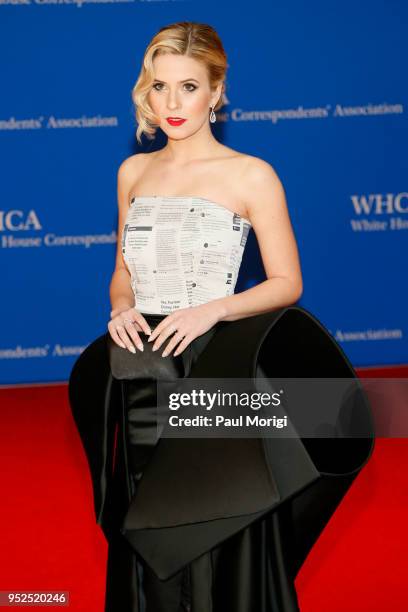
{"x":261,"y":188}
{"x":255,"y":166}
{"x":127,"y":174}
{"x":130,"y":168}
{"x":258,"y":172}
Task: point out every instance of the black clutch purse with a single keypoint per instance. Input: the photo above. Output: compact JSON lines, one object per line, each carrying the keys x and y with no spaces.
{"x":125,"y":365}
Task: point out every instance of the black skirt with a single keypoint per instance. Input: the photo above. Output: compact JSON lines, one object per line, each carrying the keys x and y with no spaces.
{"x":213,"y":524}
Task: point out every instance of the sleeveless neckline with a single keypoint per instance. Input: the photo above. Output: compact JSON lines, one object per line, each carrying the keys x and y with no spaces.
{"x":151,"y":197}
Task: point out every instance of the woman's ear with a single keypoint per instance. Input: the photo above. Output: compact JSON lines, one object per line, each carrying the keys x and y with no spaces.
{"x":217,"y":94}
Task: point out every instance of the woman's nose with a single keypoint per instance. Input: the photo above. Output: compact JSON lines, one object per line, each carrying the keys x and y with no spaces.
{"x":172,"y":100}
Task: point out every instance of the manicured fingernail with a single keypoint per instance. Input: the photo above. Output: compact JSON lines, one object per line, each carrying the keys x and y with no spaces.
{"x":164,"y":354}
{"x":140,"y":347}
{"x":132,"y":349}
{"x":154,"y":348}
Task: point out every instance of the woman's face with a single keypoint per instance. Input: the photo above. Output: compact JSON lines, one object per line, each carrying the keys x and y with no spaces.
{"x":181,"y":89}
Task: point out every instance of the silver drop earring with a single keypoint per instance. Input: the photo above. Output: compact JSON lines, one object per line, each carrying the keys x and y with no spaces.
{"x":213,"y":118}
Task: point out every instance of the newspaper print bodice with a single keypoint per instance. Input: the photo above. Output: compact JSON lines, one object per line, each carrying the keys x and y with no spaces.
{"x":181,"y":251}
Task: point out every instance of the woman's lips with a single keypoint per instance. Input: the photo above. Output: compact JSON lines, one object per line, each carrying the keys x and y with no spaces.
{"x":174,"y":121}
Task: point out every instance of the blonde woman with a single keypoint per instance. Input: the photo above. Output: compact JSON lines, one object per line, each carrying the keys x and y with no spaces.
{"x":199,"y":524}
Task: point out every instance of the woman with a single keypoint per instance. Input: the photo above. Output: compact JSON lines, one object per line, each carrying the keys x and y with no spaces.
{"x":184,"y":215}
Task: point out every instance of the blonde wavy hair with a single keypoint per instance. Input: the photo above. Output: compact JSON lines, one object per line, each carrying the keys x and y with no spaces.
{"x":197,"y":40}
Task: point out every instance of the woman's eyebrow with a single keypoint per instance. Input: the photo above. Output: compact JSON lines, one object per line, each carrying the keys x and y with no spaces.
{"x":183,"y":81}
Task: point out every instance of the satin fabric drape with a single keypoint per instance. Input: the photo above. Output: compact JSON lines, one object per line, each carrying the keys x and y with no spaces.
{"x":244,"y":546}
{"x":140,"y":437}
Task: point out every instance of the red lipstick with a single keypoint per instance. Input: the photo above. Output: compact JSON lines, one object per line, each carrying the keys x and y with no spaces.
{"x":175,"y":120}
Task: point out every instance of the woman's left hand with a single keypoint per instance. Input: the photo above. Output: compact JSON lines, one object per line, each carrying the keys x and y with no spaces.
{"x":187,"y":323}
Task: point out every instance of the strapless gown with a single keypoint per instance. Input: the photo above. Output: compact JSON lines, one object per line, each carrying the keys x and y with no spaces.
{"x":208,"y":524}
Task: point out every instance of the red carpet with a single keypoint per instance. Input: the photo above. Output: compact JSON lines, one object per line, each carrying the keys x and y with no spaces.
{"x":50,"y":542}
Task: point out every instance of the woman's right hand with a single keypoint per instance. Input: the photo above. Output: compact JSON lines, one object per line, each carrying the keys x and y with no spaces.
{"x":124,"y":325}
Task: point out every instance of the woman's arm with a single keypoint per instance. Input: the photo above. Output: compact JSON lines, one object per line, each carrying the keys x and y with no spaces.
{"x":120,"y":290}
{"x":125,"y":321}
{"x":267,"y":209}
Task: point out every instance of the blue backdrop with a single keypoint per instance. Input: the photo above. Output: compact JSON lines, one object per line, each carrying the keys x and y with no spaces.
{"x":317,"y":89}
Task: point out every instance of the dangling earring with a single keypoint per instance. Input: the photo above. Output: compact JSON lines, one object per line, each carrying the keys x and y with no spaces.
{"x":213,"y":118}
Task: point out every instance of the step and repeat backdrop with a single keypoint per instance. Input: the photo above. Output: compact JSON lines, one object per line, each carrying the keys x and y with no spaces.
{"x":319,"y":90}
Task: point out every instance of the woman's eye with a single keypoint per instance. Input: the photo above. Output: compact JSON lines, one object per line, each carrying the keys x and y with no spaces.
{"x":159,"y":86}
